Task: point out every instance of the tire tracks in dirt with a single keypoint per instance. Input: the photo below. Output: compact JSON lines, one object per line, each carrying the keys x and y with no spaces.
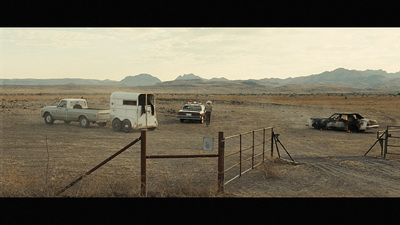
{"x":343,"y":173}
{"x":364,"y":176}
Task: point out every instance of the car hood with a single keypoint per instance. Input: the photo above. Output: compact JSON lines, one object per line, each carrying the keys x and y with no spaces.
{"x":370,"y":121}
{"x":49,"y":107}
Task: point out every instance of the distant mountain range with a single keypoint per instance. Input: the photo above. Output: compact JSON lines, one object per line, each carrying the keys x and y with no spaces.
{"x":368,"y":79}
{"x":138,"y":80}
{"x":341,"y":77}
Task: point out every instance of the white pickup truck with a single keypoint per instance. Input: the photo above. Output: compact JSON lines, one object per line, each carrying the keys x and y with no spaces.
{"x":75,"y":110}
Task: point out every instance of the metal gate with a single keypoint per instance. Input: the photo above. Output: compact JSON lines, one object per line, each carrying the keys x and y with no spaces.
{"x":391,"y":133}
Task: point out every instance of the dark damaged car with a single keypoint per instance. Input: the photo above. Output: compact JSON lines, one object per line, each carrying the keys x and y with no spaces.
{"x":350,"y":122}
{"x":192,"y":111}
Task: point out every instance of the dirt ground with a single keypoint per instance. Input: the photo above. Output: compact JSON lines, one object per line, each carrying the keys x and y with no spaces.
{"x":37,"y":159}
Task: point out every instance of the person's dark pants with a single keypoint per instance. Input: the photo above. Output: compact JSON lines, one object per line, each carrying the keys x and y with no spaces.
{"x":208,"y":118}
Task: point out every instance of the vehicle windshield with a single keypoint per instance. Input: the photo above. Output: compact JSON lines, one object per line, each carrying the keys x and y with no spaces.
{"x":358,"y":116}
{"x":192,"y":108}
{"x":62,"y":104}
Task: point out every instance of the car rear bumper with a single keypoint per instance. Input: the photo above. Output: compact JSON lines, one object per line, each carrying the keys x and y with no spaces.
{"x":189,"y":117}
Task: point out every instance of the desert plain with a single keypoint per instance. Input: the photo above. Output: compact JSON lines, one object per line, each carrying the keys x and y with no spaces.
{"x":37,"y":159}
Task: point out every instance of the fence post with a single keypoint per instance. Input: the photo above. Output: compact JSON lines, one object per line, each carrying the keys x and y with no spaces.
{"x":240,"y":155}
{"x":143,"y":163}
{"x":386,"y":142}
{"x":272,"y":142}
{"x":252,"y":153}
{"x":221,"y":149}
{"x":380,"y":139}
{"x":263,"y":144}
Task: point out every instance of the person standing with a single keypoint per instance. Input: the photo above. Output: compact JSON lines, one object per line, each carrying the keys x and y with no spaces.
{"x":208,"y":109}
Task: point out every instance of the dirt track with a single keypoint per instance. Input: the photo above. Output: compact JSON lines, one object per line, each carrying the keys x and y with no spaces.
{"x":38,"y":159}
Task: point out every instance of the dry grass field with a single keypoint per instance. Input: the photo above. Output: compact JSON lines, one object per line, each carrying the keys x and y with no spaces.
{"x":37,"y":160}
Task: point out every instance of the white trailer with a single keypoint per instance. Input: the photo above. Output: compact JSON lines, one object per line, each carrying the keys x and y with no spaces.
{"x":132,"y":111}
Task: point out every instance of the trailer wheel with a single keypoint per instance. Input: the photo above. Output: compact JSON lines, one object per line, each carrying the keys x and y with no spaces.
{"x":84,"y":122}
{"x":116,"y":124}
{"x":48,"y":119}
{"x":126,"y":126}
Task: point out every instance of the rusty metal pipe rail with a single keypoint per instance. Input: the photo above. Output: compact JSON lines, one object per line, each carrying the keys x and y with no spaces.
{"x":233,"y":166}
{"x":392,"y":153}
{"x":239,"y":175}
{"x":245,"y":149}
{"x":245,"y":160}
{"x":179,"y":156}
{"x":393,"y":130}
{"x":252,"y":147}
{"x":236,"y":135}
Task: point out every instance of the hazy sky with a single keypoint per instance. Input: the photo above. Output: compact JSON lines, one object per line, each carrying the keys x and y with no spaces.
{"x":233,"y":53}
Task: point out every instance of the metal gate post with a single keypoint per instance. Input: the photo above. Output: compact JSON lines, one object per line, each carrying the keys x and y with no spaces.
{"x":386,"y":142}
{"x":221,"y":149}
{"x":252,"y":153}
{"x":240,"y":155}
{"x":263,"y":144}
{"x":272,"y":142}
{"x":380,"y":139}
{"x":143,"y":163}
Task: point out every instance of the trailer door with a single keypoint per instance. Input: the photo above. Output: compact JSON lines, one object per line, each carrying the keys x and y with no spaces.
{"x":150,"y":110}
{"x":146,"y":110}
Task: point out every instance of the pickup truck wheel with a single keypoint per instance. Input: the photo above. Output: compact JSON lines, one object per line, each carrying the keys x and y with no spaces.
{"x":48,"y":119}
{"x":116,"y":125}
{"x":83,"y":121}
{"x":126,"y":126}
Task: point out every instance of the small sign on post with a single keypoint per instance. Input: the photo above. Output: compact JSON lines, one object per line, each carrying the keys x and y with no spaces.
{"x":208,"y":143}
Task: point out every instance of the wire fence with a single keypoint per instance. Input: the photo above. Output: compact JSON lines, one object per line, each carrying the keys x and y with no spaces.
{"x":237,"y":155}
